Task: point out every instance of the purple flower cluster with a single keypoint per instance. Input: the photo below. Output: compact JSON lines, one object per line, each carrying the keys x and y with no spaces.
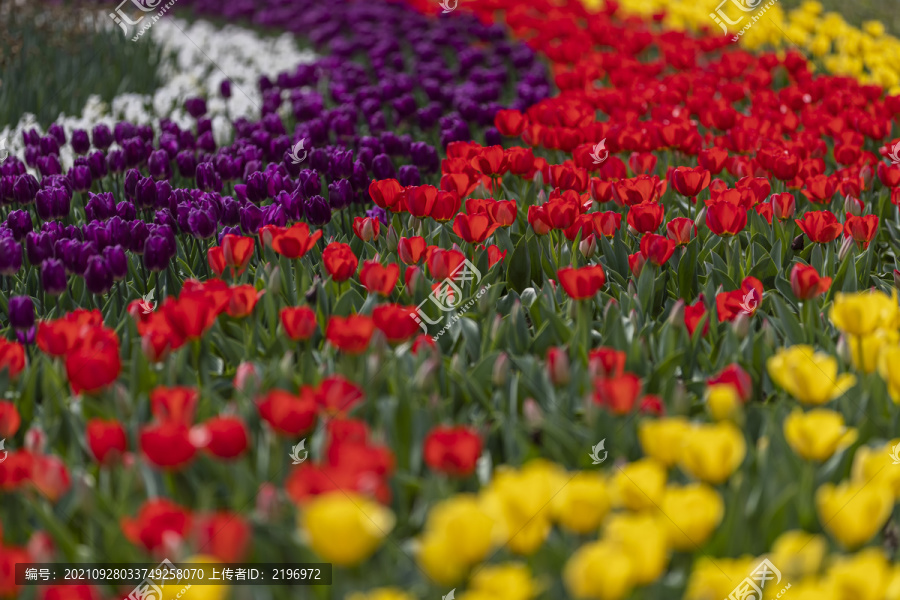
{"x":392,"y":76}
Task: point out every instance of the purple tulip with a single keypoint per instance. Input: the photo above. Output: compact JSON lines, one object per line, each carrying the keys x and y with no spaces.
{"x":21,"y":312}
{"x":124,"y":130}
{"x":10,"y":256}
{"x":19,"y":222}
{"x":187,"y":163}
{"x":138,"y":236}
{"x":81,"y":178}
{"x":53,"y":277}
{"x":225,"y":88}
{"x":317,"y":211}
{"x":126,"y":211}
{"x":340,"y":194}
{"x":196,"y":107}
{"x":382,"y":168}
{"x":98,"y":276}
{"x":117,"y":261}
{"x":207,"y":178}
{"x":100,"y":206}
{"x":39,"y":247}
{"x":49,"y":145}
{"x":80,"y":141}
{"x":257,"y":187}
{"x":115,"y":160}
{"x":145,"y":193}
{"x":157,"y":252}
{"x":101,"y":137}
{"x":251,"y":219}
{"x":310,"y":185}
{"x":159,"y":165}
{"x":201,"y":223}
{"x":49,"y":165}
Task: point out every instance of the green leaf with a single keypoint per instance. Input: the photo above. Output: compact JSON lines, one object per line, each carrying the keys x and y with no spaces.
{"x":518,"y":272}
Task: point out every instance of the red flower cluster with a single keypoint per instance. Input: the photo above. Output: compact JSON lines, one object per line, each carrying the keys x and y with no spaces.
{"x":90,"y":350}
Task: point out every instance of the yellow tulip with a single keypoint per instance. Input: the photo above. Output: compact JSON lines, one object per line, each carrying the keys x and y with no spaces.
{"x":817,"y":434}
{"x":692,"y":513}
{"x":713,"y":452}
{"x":810,"y":377}
{"x":599,"y":570}
{"x":345,"y":528}
{"x":643,"y":539}
{"x":865,"y":351}
{"x":387,"y":593}
{"x":457,"y":535}
{"x":723,"y":401}
{"x":640,"y":485}
{"x":662,"y":439}
{"x":854,"y":513}
{"x":182,"y":591}
{"x":436,"y":555}
{"x":862,"y":576}
{"x":808,"y":589}
{"x":888,"y":368}
{"x":798,"y":554}
{"x":874,"y":28}
{"x":893,"y":587}
{"x":581,"y":505}
{"x":714,"y":579}
{"x":862,"y":313}
{"x":877,"y":465}
{"x":510,"y":581}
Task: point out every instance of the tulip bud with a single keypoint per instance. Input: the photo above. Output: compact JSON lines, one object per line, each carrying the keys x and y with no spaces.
{"x":842,"y":349}
{"x":769,"y":333}
{"x":783,"y":205}
{"x":391,"y":238}
{"x":538,"y":180}
{"x":40,"y":547}
{"x":741,"y":325}
{"x":273,"y":285}
{"x":480,"y":191}
{"x":635,"y":232}
{"x":267,"y":502}
{"x":35,"y":440}
{"x":532,"y":413}
{"x":246,"y":378}
{"x":413,"y":222}
{"x":845,"y":248}
{"x":495,"y":326}
{"x":588,"y":246}
{"x":500,"y":373}
{"x":853,"y":206}
{"x":424,"y":377}
{"x":897,"y":279}
{"x":701,"y":218}
{"x":867,"y":174}
{"x":558,"y":366}
{"x":676,"y":316}
{"x":541,"y":197}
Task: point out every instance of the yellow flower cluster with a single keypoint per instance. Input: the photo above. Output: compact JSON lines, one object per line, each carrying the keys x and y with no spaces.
{"x":345,"y":528}
{"x":867,"y":54}
{"x":801,"y":559}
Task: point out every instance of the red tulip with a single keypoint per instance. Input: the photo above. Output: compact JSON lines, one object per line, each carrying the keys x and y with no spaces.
{"x":558,"y":366}
{"x":862,"y":229}
{"x":745,"y":300}
{"x":806,"y":282}
{"x":725,"y":219}
{"x":366,"y":228}
{"x":606,"y":223}
{"x":339,"y":261}
{"x":657,"y":249}
{"x":379,"y":279}
{"x":299,"y":322}
{"x":638,"y":190}
{"x":521,"y":162}
{"x":12,"y":358}
{"x":216,"y":258}
{"x":736,"y":377}
{"x":606,"y":362}
{"x":446,"y":205}
{"x":889,"y":174}
{"x":9,"y":419}
{"x":690,"y":182}
{"x":420,"y":200}
{"x":411,"y":249}
{"x":693,"y":313}
{"x":618,"y":393}
{"x":395,"y":321}
{"x":647,"y":217}
{"x":510,"y":123}
{"x":452,"y":450}
{"x":156,"y":521}
{"x":539,"y":220}
{"x":444,"y":263}
{"x":95,"y":364}
{"x":287,"y":414}
{"x":765,"y":211}
{"x":225,"y":437}
{"x":474,"y":228}
{"x":785,"y":165}
{"x":295,"y":241}
{"x":335,"y":395}
{"x":387,"y":193}
{"x":243,"y":300}
{"x":167,"y":445}
{"x":783,"y":205}
{"x":350,"y":335}
{"x":190,"y":315}
{"x":494,"y":255}
{"x":491,"y":161}
{"x":62,"y":335}
{"x":680,"y":230}
{"x":820,"y":226}
{"x":819,"y":188}
{"x":713,"y":159}
{"x":237,"y":251}
{"x":106,"y":439}
{"x":225,"y":535}
{"x":582,"y":283}
{"x":174,"y":404}
{"x":636,"y":263}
